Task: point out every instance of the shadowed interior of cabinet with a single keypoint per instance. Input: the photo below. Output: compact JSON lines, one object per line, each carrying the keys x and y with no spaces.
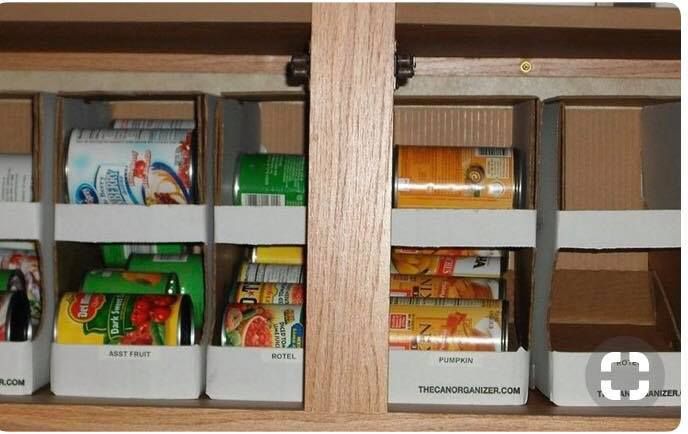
{"x":19,"y":124}
{"x":98,"y":110}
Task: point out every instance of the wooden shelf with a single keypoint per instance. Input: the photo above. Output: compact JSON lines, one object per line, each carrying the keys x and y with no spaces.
{"x":44,"y":411}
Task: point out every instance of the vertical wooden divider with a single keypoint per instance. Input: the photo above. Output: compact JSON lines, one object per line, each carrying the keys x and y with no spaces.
{"x":349,"y":207}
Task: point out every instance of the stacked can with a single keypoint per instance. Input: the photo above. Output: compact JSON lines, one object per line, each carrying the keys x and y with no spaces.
{"x":159,"y":299}
{"x":137,"y":162}
{"x":20,"y":303}
{"x":270,"y":180}
{"x":447,"y":299}
{"x":265,"y":304}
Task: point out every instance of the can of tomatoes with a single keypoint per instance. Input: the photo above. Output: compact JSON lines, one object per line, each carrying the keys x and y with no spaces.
{"x":15,"y":317}
{"x":457,"y":177}
{"x":263,"y":325}
{"x":132,"y":167}
{"x":130,"y":282}
{"x":26,"y":261}
{"x":154,"y":124}
{"x":267,"y":293}
{"x":188,"y":268}
{"x":116,"y":255}
{"x":284,"y":255}
{"x":420,"y":286}
{"x":124,"y":319}
{"x":12,"y":280}
{"x":448,"y":325}
{"x":272,"y":273}
{"x":15,"y":178}
{"x":476,"y":266}
{"x":447,"y":251}
{"x":270,"y":180}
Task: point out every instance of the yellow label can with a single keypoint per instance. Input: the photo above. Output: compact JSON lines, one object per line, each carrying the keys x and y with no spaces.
{"x":285,"y":255}
{"x":444,"y":287}
{"x":447,"y":325}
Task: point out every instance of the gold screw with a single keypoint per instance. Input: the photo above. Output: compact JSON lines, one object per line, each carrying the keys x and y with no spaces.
{"x":525,"y":66}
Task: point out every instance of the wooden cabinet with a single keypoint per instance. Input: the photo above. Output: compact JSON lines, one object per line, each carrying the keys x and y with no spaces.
{"x":479,"y":50}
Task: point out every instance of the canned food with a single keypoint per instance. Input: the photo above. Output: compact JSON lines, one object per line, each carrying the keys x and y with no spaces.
{"x":270,"y":180}
{"x":477,"y":266}
{"x":137,"y":167}
{"x":15,"y":317}
{"x":453,"y":177}
{"x":154,"y":124}
{"x":272,"y":273}
{"x":444,"y":287}
{"x":263,"y":325}
{"x":25,"y":261}
{"x":11,"y":280}
{"x":188,"y":269}
{"x":268,"y":293}
{"x":15,"y":178}
{"x":117,"y":255}
{"x":447,"y":251}
{"x":447,"y":325}
{"x":285,"y":255}
{"x":130,"y":282}
{"x":124,"y":319}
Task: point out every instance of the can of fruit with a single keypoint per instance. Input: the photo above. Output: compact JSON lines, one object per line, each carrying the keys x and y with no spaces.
{"x":448,"y":325}
{"x":25,"y":261}
{"x":136,"y":167}
{"x":447,"y":251}
{"x":453,"y":177}
{"x":419,"y":286}
{"x":15,"y":178}
{"x":270,"y":180}
{"x":476,"y":266}
{"x":189,"y":271}
{"x":154,"y":124}
{"x":271,"y":273}
{"x":267,"y":293}
{"x":15,"y":317}
{"x":263,"y":325}
{"x":12,"y":280}
{"x":285,"y":255}
{"x":124,"y":319}
{"x":116,"y":255}
{"x":130,"y":282}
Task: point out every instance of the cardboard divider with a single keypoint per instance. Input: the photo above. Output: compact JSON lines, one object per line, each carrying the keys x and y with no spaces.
{"x":423,"y":380}
{"x":152,"y":372}
{"x":29,"y":125}
{"x":97,"y":110}
{"x":248,"y":377}
{"x":607,"y":277}
{"x":252,"y":123}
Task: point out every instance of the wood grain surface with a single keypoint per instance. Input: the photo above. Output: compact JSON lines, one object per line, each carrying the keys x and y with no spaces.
{"x":349,"y":207}
{"x":546,"y":67}
{"x":45,"y":412}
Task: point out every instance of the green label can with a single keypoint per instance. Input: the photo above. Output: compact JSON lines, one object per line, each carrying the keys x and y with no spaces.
{"x":263,"y":325}
{"x":12,"y":280}
{"x":189,"y":271}
{"x":270,"y":180}
{"x":130,"y":282}
{"x":116,"y":255}
{"x":124,"y":319}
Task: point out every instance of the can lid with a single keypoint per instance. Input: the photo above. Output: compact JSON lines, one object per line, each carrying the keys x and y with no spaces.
{"x":186,"y":333}
{"x":18,"y":321}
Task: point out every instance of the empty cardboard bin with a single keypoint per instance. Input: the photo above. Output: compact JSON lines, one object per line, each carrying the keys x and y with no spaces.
{"x":607,"y":271}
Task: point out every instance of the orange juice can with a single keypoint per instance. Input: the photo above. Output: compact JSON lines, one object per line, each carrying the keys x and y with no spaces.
{"x":457,"y":177}
{"x":419,"y":286}
{"x":428,"y":324}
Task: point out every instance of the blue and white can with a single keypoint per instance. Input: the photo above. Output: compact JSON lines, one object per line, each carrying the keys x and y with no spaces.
{"x":130,"y":167}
